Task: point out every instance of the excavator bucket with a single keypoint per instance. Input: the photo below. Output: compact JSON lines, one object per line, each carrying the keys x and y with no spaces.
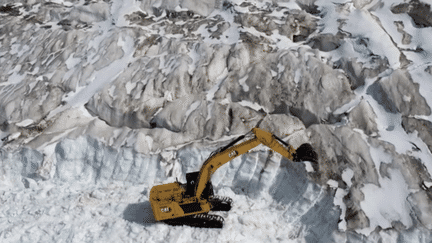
{"x":305,"y":153}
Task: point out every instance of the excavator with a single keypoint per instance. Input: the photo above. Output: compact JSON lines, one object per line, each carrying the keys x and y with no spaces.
{"x":189,"y":204}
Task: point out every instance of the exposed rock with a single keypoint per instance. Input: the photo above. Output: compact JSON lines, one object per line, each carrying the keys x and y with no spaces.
{"x":90,"y":13}
{"x":298,"y":24}
{"x":419,"y":11}
{"x":421,"y":204}
{"x":354,"y":71}
{"x":413,"y":170}
{"x":231,"y":119}
{"x":400,"y":8}
{"x":135,"y":96}
{"x":354,"y":216}
{"x":308,"y":6}
{"x":239,"y":59}
{"x":295,"y":82}
{"x":340,"y":148}
{"x":429,"y":70}
{"x":300,"y":79}
{"x":423,"y":128}
{"x":345,"y":149}
{"x":242,"y":119}
{"x":363,"y":117}
{"x":398,"y":93}
{"x":325,"y":42}
{"x":284,"y":126}
{"x":174,"y":114}
{"x":40,"y":100}
{"x":203,"y":8}
{"x":255,"y":20}
{"x":377,"y":92}
{"x":406,"y":38}
{"x":118,"y":117}
{"x":139,"y":18}
{"x":10,"y":10}
{"x":320,"y":79}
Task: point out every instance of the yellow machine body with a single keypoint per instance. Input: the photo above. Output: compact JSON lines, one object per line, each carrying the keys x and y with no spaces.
{"x":167,"y":201}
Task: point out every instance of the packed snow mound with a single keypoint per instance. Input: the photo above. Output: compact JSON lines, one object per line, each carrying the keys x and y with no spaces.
{"x":101,"y":100}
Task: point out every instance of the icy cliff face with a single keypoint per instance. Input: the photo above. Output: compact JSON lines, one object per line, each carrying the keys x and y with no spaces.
{"x":101,"y":100}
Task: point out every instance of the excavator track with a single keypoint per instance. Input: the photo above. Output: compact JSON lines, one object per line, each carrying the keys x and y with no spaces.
{"x":220,"y":203}
{"x":198,"y":220}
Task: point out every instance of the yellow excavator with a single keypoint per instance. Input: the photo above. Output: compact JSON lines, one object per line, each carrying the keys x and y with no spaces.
{"x":189,"y":204}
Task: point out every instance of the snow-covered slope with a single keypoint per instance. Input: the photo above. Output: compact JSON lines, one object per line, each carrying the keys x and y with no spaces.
{"x":101,"y":100}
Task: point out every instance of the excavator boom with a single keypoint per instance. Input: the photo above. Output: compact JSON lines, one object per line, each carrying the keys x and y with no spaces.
{"x":177,"y":203}
{"x":219,"y":159}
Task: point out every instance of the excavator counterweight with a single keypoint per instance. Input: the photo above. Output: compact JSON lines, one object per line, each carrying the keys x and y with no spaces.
{"x":189,"y":204}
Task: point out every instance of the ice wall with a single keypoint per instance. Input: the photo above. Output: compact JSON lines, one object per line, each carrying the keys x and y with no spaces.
{"x":86,"y":165}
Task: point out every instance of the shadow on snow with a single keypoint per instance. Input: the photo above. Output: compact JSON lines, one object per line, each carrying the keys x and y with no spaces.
{"x":140,"y":213}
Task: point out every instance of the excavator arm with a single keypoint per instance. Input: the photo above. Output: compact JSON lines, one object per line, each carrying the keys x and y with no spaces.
{"x":230,"y":152}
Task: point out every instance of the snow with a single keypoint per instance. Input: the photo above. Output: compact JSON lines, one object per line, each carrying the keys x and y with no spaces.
{"x":338,"y":201}
{"x":283,"y":42}
{"x":332,"y":183}
{"x":71,"y":62}
{"x":192,"y":107}
{"x":219,"y":79}
{"x":229,"y":36}
{"x":194,"y":55}
{"x":98,"y":206}
{"x":120,"y":8}
{"x":129,"y":87}
{"x":423,"y":79}
{"x":309,"y":167}
{"x":347,"y":175}
{"x":289,"y":5}
{"x":14,"y":135}
{"x":380,"y":43}
{"x":14,"y":78}
{"x":252,"y":105}
{"x":104,"y":76}
{"x":61,"y":2}
{"x":386,"y":203}
{"x":25,"y":123}
{"x":328,"y":22}
{"x":69,"y":175}
{"x":111,"y":91}
{"x":297,"y":76}
{"x":242,"y":82}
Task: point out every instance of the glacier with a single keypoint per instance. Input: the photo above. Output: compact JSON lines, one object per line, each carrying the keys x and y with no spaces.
{"x":101,"y":100}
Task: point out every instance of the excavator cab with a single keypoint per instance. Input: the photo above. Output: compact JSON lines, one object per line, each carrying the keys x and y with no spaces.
{"x":189,"y":204}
